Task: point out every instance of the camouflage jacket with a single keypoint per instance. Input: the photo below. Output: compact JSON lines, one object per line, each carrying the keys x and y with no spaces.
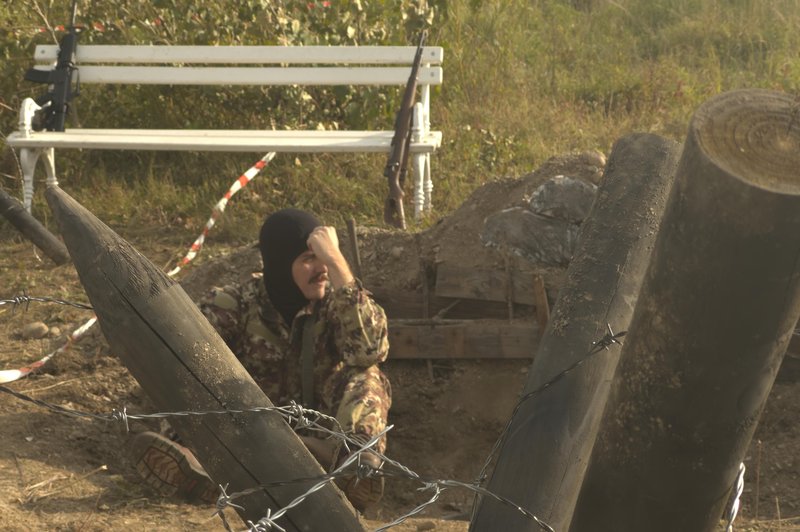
{"x":350,"y":330}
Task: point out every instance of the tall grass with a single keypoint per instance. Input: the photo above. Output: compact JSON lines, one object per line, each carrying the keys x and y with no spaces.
{"x":524,"y":80}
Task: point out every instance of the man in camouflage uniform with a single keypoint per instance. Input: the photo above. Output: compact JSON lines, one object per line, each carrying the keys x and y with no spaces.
{"x":307,"y":331}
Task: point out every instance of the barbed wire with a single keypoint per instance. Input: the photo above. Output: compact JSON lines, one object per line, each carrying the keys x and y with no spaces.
{"x":26,"y":300}
{"x":268,"y":522}
{"x":603,"y":344}
{"x":301,"y":418}
{"x":402,"y":519}
{"x":294,"y":414}
{"x":609,"y":339}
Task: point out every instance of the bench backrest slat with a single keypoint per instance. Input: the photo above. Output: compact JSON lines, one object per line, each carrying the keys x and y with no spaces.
{"x":153,"y":75}
{"x":130,"y":54}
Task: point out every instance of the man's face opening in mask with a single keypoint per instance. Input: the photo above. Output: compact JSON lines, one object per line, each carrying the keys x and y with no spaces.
{"x":310,"y":275}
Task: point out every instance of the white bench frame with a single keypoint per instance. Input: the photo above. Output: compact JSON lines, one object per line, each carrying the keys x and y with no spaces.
{"x":176,"y":65}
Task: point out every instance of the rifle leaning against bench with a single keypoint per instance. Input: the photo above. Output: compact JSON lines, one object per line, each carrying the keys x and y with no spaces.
{"x":397,"y":164}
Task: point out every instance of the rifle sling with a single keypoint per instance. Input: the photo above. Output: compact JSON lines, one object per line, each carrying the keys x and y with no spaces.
{"x":307,"y":362}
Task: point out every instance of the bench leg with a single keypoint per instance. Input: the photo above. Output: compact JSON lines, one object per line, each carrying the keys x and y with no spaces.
{"x":27,"y":159}
{"x":428,"y":183}
{"x":419,"y":185}
{"x":423,"y":186}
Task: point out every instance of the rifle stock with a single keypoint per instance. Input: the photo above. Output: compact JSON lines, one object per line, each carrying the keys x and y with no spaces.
{"x":397,"y":163}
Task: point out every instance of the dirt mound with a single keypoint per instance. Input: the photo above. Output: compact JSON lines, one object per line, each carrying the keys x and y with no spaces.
{"x":397,"y":260}
{"x":65,"y":473}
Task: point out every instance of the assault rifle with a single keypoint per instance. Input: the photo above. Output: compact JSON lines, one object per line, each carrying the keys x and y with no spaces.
{"x":397,"y":164}
{"x":55,"y":103}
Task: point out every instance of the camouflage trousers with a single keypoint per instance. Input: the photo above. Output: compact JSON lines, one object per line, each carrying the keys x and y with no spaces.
{"x":359,"y":398}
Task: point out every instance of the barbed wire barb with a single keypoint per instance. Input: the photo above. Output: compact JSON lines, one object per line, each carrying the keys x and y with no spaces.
{"x":400,"y":520}
{"x":265,"y":524}
{"x":224,"y":501}
{"x":25,"y":299}
{"x":603,"y":344}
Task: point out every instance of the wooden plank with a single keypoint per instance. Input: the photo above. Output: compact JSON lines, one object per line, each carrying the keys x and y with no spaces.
{"x":365,"y":55}
{"x":268,"y":76}
{"x":462,"y":339}
{"x":457,"y":281}
{"x":208,"y":140}
{"x":183,"y":365}
{"x":296,"y":134}
{"x":405,"y":304}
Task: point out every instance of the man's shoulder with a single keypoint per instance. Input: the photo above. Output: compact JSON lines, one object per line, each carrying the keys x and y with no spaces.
{"x":236,"y":294}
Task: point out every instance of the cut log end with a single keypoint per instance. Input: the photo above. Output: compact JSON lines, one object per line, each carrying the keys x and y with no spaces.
{"x":753,"y":135}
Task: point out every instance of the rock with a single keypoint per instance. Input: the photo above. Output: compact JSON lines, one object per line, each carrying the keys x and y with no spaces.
{"x":539,"y":239}
{"x":587,"y":166}
{"x":34,"y":330}
{"x":564,"y":198}
{"x":593,"y":158}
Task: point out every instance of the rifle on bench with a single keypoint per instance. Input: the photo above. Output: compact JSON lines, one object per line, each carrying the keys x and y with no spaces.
{"x":55,"y":103}
{"x":397,"y":164}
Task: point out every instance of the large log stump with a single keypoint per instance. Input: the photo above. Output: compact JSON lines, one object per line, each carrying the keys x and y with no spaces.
{"x":183,"y":365}
{"x":542,"y":462}
{"x":716,"y":311}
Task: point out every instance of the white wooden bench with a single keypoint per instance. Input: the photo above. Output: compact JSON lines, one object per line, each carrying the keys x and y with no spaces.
{"x":225,"y":65}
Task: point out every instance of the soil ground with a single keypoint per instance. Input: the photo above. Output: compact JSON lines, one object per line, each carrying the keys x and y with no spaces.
{"x":64,"y":473}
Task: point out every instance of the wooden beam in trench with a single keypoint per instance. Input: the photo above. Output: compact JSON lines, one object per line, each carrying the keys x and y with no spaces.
{"x":436,"y":339}
{"x":462,"y":282}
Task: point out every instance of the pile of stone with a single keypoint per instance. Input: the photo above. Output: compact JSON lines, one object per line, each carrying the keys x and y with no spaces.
{"x":545,"y":230}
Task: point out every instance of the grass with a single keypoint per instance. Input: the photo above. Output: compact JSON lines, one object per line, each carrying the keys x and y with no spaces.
{"x":524,"y":80}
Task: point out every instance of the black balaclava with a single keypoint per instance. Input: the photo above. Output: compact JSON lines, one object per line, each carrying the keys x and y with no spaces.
{"x":282,"y":239}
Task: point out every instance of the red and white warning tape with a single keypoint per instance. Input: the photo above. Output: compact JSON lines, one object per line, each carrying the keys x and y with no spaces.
{"x":10,"y":375}
{"x":219,"y":208}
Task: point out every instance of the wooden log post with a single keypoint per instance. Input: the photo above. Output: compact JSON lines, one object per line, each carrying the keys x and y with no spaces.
{"x":543,"y":459}
{"x":183,"y":365}
{"x":716,"y":311}
{"x":32,"y":229}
